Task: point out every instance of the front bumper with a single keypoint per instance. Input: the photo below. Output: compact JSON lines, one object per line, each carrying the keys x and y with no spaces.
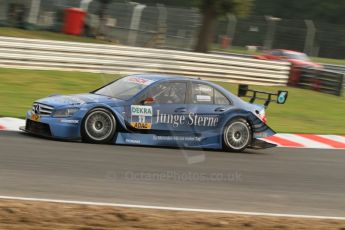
{"x":47,"y":126}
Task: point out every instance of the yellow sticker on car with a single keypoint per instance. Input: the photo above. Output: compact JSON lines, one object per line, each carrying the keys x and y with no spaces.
{"x":35,"y":117}
{"x":140,"y":125}
{"x":141,"y":117}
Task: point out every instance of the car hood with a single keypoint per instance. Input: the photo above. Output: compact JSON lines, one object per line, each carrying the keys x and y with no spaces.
{"x":76,"y":100}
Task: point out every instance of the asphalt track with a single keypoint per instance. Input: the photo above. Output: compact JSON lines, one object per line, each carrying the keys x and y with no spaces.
{"x":280,"y":180}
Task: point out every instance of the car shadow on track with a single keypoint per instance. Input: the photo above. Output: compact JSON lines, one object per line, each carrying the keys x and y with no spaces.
{"x":182,"y":148}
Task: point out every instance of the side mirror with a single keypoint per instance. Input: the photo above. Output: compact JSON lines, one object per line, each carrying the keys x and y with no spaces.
{"x":149,"y":101}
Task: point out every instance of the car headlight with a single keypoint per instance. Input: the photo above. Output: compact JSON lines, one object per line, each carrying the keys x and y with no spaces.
{"x":65,"y":112}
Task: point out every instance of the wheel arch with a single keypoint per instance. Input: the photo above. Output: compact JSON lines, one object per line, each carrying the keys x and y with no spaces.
{"x":117,"y":115}
{"x":259,"y":129}
{"x":238,"y":114}
{"x":249,"y":135}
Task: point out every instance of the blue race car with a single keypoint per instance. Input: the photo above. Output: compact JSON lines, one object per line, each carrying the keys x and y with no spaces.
{"x":156,"y":110}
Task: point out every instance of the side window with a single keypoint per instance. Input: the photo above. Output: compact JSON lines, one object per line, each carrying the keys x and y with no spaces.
{"x":284,"y":54}
{"x":220,"y":99}
{"x":205,"y":94}
{"x":276,"y":53}
{"x":202,"y":94}
{"x":169,"y":93}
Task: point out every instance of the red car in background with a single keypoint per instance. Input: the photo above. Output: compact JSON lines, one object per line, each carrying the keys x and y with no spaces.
{"x":297,"y":59}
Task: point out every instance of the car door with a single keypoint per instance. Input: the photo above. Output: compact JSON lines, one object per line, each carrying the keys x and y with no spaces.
{"x":207,"y":108}
{"x":161,"y":109}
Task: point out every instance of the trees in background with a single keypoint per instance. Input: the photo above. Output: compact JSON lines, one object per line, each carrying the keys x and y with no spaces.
{"x":103,"y":7}
{"x":211,"y":10}
{"x":330,"y":11}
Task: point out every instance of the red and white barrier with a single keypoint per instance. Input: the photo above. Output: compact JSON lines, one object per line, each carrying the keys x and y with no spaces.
{"x":282,"y":140}
{"x":308,"y":141}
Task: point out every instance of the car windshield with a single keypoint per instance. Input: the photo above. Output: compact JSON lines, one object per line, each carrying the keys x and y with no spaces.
{"x":298,"y":56}
{"x":124,"y":88}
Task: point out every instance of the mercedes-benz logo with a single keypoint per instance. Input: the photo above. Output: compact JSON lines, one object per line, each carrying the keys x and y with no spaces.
{"x":37,"y":109}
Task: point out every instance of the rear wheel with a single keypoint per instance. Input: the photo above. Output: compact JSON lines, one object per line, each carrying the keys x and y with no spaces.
{"x":237,"y":135}
{"x":98,"y":127}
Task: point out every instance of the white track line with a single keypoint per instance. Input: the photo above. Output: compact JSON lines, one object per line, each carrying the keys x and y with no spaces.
{"x":172,"y":208}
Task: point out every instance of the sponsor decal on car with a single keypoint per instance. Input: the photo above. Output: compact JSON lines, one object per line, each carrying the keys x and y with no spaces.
{"x":177,"y":138}
{"x":139,"y":80}
{"x":131,"y":141}
{"x":190,"y":119}
{"x":203,"y":98}
{"x":141,"y":117}
{"x":69,"y":121}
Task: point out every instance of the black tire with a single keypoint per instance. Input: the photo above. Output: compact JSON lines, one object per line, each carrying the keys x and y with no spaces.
{"x":237,"y":135}
{"x":98,"y":126}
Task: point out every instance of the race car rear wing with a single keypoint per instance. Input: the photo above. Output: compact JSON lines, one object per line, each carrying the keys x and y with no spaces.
{"x":280,"y":97}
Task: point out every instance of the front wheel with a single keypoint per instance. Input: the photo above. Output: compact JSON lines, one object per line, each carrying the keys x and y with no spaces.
{"x":237,"y":135}
{"x":98,"y":127}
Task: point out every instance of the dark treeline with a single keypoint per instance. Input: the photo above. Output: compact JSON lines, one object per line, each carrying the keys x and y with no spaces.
{"x":329,"y":11}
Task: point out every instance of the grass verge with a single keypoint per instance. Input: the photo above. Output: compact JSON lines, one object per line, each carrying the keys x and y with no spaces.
{"x":43,"y":215}
{"x":305,"y":111}
{"x":21,"y":33}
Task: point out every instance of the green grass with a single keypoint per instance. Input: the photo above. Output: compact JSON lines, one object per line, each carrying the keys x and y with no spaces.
{"x":19,"y":88}
{"x":329,"y":61}
{"x":235,"y":49}
{"x":305,"y":111}
{"x":21,"y":33}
